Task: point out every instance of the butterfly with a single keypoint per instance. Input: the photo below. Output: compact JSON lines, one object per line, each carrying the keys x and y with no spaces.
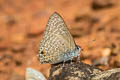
{"x":57,"y":44}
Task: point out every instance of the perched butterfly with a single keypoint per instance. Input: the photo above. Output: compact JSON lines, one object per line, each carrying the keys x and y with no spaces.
{"x":57,"y":44}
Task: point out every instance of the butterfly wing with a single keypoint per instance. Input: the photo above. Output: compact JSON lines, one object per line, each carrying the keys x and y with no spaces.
{"x":57,"y":40}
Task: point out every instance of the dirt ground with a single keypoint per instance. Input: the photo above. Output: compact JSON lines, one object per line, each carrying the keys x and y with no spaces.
{"x":94,"y":24}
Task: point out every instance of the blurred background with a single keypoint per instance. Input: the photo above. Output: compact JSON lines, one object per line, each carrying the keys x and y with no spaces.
{"x":94,"y":24}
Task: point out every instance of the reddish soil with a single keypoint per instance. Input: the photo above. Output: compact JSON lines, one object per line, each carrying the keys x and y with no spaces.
{"x":94,"y":24}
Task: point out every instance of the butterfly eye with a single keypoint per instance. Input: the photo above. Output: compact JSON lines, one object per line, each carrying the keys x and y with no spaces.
{"x":78,"y":48}
{"x":43,"y":52}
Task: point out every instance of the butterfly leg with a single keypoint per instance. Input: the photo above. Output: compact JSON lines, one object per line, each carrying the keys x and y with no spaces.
{"x":71,"y":61}
{"x":71,"y":57}
{"x":63,"y":63}
{"x":78,"y":58}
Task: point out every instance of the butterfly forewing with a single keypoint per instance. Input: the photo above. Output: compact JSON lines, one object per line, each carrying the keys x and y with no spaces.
{"x":56,"y":40}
